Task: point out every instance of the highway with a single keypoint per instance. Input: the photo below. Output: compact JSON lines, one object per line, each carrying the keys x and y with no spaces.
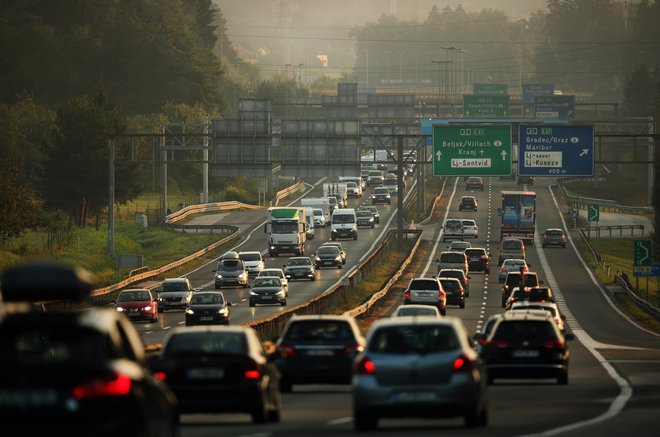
{"x":614,"y":386}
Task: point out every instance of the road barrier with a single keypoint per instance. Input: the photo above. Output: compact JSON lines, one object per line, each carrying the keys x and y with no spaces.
{"x":621,"y":228}
{"x":296,"y":188}
{"x":188,"y":211}
{"x":581,"y":202}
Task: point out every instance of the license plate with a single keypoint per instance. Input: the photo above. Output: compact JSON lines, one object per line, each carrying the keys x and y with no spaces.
{"x":327,"y":263}
{"x":421,"y":396}
{"x":206,"y":373}
{"x":320,"y":353}
{"x":28,"y":398}
{"x":205,"y":319}
{"x":267,"y":297}
{"x":425,"y":294}
{"x":525,"y":354}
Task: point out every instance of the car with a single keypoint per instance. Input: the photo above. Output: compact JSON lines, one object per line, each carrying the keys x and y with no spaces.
{"x":137,"y":304}
{"x":550,"y":307}
{"x":208,"y":308}
{"x":175,"y":293}
{"x":474,"y":183}
{"x":253,"y":261}
{"x":317,"y":349}
{"x":530,"y":294}
{"x":392,"y":184}
{"x":353,"y":190}
{"x":328,"y":256}
{"x":300,"y":267}
{"x":375,"y":178}
{"x":458,"y":274}
{"x":452,"y":228}
{"x":274,"y":272}
{"x":221,"y":369}
{"x":267,"y":290}
{"x":453,"y":260}
{"x":340,"y":200}
{"x":338,"y":245}
{"x":454,"y":291}
{"x":511,"y":248}
{"x":553,"y":237}
{"x":319,"y":218}
{"x":526,"y":346}
{"x":381,"y":195}
{"x":470,"y":228}
{"x":468,"y":203}
{"x":512,"y":265}
{"x":343,"y":224}
{"x":525,"y":180}
{"x":364,"y":218}
{"x":74,"y":373}
{"x":459,"y":246}
{"x":373,"y":210}
{"x":426,"y":291}
{"x":419,"y":367}
{"x":480,"y":338}
{"x":416,"y":311}
{"x":478,"y":259}
{"x":514,"y":279}
{"x":231,"y":271}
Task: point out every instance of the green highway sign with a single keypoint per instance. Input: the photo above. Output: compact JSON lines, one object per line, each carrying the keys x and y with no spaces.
{"x":485,"y":106}
{"x":593,"y":212}
{"x":643,"y":254}
{"x":490,"y":89}
{"x":471,"y":150}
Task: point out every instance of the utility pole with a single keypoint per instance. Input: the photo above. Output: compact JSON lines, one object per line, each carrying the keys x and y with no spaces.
{"x":300,"y":66}
{"x":439,"y":62}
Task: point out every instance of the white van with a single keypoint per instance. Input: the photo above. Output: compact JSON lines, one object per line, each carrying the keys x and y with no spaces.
{"x":343,"y":224}
{"x":309,"y":218}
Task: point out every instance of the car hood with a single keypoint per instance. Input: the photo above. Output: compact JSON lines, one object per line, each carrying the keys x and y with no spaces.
{"x":260,"y":290}
{"x":173,"y":293}
{"x":200,"y":307}
{"x":135,"y":304}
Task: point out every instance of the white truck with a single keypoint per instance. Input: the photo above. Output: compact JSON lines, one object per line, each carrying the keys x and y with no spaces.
{"x":286,"y":230}
{"x":337,"y":189}
{"x":354,"y":185}
{"x":322,"y":203}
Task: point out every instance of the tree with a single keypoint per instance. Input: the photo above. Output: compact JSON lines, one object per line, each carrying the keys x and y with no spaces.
{"x":19,"y":203}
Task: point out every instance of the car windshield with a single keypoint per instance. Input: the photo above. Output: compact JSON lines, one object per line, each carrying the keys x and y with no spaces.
{"x":299,"y":262}
{"x":270,"y":281}
{"x":469,"y":223}
{"x":452,"y":258}
{"x":413,"y":339}
{"x":203,"y":343}
{"x":364,"y":214}
{"x":453,"y":224}
{"x":390,"y":181}
{"x":256,"y":256}
{"x":424,"y":284}
{"x":318,"y":212}
{"x":175,"y":286}
{"x":448,"y":284}
{"x":319,"y":331}
{"x":133,"y":296}
{"x":207,"y":299}
{"x":230,"y":265}
{"x":381,"y":190}
{"x":343,"y":218}
{"x":284,"y":227}
{"x":328,"y":250}
{"x":270,"y":274}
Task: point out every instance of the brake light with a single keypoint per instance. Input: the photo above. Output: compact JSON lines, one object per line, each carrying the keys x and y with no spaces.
{"x":117,"y":385}
{"x":161,"y":375}
{"x":498,"y":344}
{"x":461,"y":363}
{"x":503,"y":270}
{"x":286,"y":351}
{"x":252,"y":374}
{"x":464,"y":281}
{"x":365,"y":367}
{"x":353,"y":349}
{"x":554,"y":344}
{"x":406,"y":293}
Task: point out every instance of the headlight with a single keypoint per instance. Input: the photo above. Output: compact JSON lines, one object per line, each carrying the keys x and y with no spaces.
{"x":252,"y":293}
{"x":219,"y":277}
{"x":334,"y":230}
{"x":338,"y":258}
{"x":280,"y":293}
{"x":222,"y":311}
{"x":147,"y":308}
{"x":120,"y":309}
{"x":189,"y":311}
{"x":272,"y":247}
{"x":317,"y":259}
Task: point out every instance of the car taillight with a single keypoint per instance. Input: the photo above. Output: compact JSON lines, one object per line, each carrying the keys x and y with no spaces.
{"x":464,"y":281}
{"x":406,"y":293}
{"x":365,"y":367}
{"x":503,"y":270}
{"x":286,"y":351}
{"x":161,"y":375}
{"x":252,"y":374}
{"x":498,"y":344}
{"x":353,"y":349}
{"x":462,"y":363}
{"x":115,"y":385}
{"x":554,"y":344}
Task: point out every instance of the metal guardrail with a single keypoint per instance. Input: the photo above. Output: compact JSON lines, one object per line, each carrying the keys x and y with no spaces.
{"x":641,"y":302}
{"x":581,"y":202}
{"x":223,"y":229}
{"x":206,"y":207}
{"x":610,"y":228}
{"x":296,"y":188}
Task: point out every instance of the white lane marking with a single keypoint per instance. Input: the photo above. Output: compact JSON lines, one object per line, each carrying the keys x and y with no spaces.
{"x":439,"y":239}
{"x":181,"y":323}
{"x":166,"y":327}
{"x":634,"y":361}
{"x":339,"y":421}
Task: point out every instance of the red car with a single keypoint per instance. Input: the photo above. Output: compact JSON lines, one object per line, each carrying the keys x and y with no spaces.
{"x":138,"y":304}
{"x":474,"y":183}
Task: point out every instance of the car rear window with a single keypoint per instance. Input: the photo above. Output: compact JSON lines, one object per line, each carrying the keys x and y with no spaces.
{"x":453,"y":224}
{"x":448,"y":284}
{"x":458,"y":274}
{"x":524,"y":329}
{"x":416,"y":311}
{"x":554,"y":233}
{"x":452,"y":258}
{"x":512,"y":244}
{"x":469,"y":223}
{"x":299,"y":262}
{"x":204,"y":343}
{"x":319,"y":331}
{"x":424,"y":284}
{"x":540,"y":294}
{"x":475,"y":252}
{"x":270,"y":281}
{"x":414,"y":339}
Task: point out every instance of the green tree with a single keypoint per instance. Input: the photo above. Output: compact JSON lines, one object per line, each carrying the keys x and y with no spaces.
{"x":641,"y":93}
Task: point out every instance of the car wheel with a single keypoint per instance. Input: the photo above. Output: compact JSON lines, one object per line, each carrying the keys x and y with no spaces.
{"x":160,"y":310}
{"x":372,"y":226}
{"x":251,"y":304}
{"x":363,"y":421}
{"x":443,"y":311}
{"x":283,"y":303}
{"x":462,"y":305}
{"x":562,"y":379}
{"x":339,"y":266}
{"x":285,"y":385}
{"x":503,"y":302}
{"x":476,"y":418}
{"x":274,"y":413}
{"x":154,"y":319}
{"x":260,"y":413}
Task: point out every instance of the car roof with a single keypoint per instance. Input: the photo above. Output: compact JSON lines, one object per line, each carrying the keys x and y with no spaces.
{"x":468,"y":197}
{"x":414,"y":320}
{"x":45,"y":280}
{"x":298,"y":257}
{"x":248,"y":251}
{"x":514,"y":261}
{"x":522,"y":316}
{"x":554,"y":229}
{"x":271,"y":270}
{"x":230,"y":255}
{"x":171,"y":280}
{"x":181,"y":330}
{"x":468,"y":220}
{"x":451,"y":251}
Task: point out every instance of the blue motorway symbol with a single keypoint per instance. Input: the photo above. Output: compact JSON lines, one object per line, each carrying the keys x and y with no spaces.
{"x":556,"y":151}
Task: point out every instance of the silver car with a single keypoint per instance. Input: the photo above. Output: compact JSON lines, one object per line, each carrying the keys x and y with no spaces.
{"x":419,"y":367}
{"x":175,"y":293}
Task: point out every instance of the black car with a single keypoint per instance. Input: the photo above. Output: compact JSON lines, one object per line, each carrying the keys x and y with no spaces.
{"x":554,"y":237}
{"x":373,"y":210}
{"x":474,"y":183}
{"x":365,"y":219}
{"x":300,"y":267}
{"x":318,"y":350}
{"x":530,"y":294}
{"x":74,"y":373}
{"x":215,"y":369}
{"x":381,"y":195}
{"x":454,"y":291}
{"x":478,"y":259}
{"x":207,"y":308}
{"x":467,"y":203}
{"x":328,"y":256}
{"x":268,"y":290}
{"x":458,"y":274}
{"x":526,"y":346}
{"x":514,"y":279}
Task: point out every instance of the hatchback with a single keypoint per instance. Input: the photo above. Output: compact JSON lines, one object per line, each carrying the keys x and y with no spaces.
{"x":470,"y":228}
{"x":381,"y":195}
{"x":175,"y":293}
{"x":467,"y":203}
{"x":207,"y":308}
{"x":267,"y":290}
{"x":454,"y":291}
{"x":373,"y":210}
{"x":514,"y":279}
{"x":328,"y":256}
{"x":453,"y":228}
{"x":364,"y":218}
{"x":478,"y":259}
{"x":512,"y":265}
{"x":511,"y":248}
{"x":253,"y":261}
{"x":138,"y":304}
{"x":318,"y":349}
{"x":554,"y":237}
{"x":474,"y":183}
{"x":459,"y":246}
{"x":419,"y":367}
{"x":453,"y":260}
{"x":300,"y":267}
{"x":458,"y":274}
{"x":427,"y":291}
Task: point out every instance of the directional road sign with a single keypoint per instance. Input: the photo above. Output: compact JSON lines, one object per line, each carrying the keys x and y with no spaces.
{"x":593,"y":213}
{"x":471,"y":150}
{"x":485,"y":106}
{"x":547,"y":150}
{"x":531,"y":90}
{"x":554,"y":106}
{"x":490,"y":89}
{"x":647,"y":272}
{"x":643,"y":254}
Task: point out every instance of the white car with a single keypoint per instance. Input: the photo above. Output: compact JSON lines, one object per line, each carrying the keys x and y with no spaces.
{"x":470,"y":228}
{"x":319,"y":218}
{"x":253,"y":262}
{"x":550,"y":307}
{"x":417,"y":311}
{"x":512,"y":265}
{"x":278,"y":273}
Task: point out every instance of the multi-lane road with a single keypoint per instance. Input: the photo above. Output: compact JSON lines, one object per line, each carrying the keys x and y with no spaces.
{"x":614,"y":386}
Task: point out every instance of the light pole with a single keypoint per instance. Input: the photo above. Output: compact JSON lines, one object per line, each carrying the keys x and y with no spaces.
{"x":286,"y":90}
{"x":440,"y":62}
{"x":452,"y":71}
{"x":300,"y":66}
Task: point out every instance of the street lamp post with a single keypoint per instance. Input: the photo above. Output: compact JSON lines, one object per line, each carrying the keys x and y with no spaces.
{"x":439,"y":62}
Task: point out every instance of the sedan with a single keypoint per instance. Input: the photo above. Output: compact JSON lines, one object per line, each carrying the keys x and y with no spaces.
{"x":300,"y":267}
{"x":220,"y":370}
{"x":267,"y":290}
{"x":512,"y":265}
{"x":373,"y":210}
{"x":328,"y":256}
{"x":206,"y":308}
{"x":365,"y":219}
{"x":138,"y":304}
{"x":419,"y":367}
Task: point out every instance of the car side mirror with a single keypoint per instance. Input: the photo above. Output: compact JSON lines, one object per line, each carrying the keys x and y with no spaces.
{"x":229,"y":304}
{"x":155,"y":299}
{"x":196,"y":289}
{"x":529,"y":265}
{"x":469,"y":277}
{"x":563,"y":317}
{"x":214,"y":270}
{"x":569,"y":337}
{"x":284,"y":265}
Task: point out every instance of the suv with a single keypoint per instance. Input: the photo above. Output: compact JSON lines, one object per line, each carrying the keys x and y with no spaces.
{"x":231,"y":272}
{"x":318,"y":349}
{"x":426,"y":291}
{"x":458,"y":274}
{"x":300,"y":267}
{"x":454,"y":291}
{"x":74,"y":373}
{"x":453,"y":260}
{"x":254,"y":263}
{"x":553,"y":237}
{"x":478,"y":259}
{"x":513,"y":280}
{"x":467,"y":203}
{"x":381,"y":195}
{"x":174,"y":293}
{"x":453,"y":228}
{"x":474,"y":183}
{"x":511,"y":248}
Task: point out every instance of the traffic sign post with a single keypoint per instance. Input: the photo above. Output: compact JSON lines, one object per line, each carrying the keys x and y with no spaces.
{"x":471,"y":150}
{"x":485,"y":106}
{"x":593,"y":212}
{"x":547,"y":150}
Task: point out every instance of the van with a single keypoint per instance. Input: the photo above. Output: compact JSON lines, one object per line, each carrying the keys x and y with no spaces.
{"x":453,"y":228}
{"x":453,"y":260}
{"x":511,"y":248}
{"x":343,"y":224}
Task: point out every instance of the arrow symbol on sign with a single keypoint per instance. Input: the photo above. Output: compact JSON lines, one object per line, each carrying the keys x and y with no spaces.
{"x":584,"y":152}
{"x":643,"y":259}
{"x":439,"y":155}
{"x":503,"y":155}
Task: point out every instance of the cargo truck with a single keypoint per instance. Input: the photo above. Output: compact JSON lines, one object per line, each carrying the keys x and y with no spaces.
{"x":337,"y":189}
{"x":518,"y":214}
{"x":286,"y":230}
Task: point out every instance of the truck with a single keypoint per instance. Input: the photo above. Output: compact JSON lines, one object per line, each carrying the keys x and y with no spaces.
{"x":353,"y":190}
{"x":518,"y":214}
{"x":336,"y":189}
{"x":319,"y":202}
{"x":286,"y":230}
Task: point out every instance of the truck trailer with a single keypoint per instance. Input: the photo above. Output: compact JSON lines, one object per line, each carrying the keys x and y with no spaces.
{"x":518,"y":214}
